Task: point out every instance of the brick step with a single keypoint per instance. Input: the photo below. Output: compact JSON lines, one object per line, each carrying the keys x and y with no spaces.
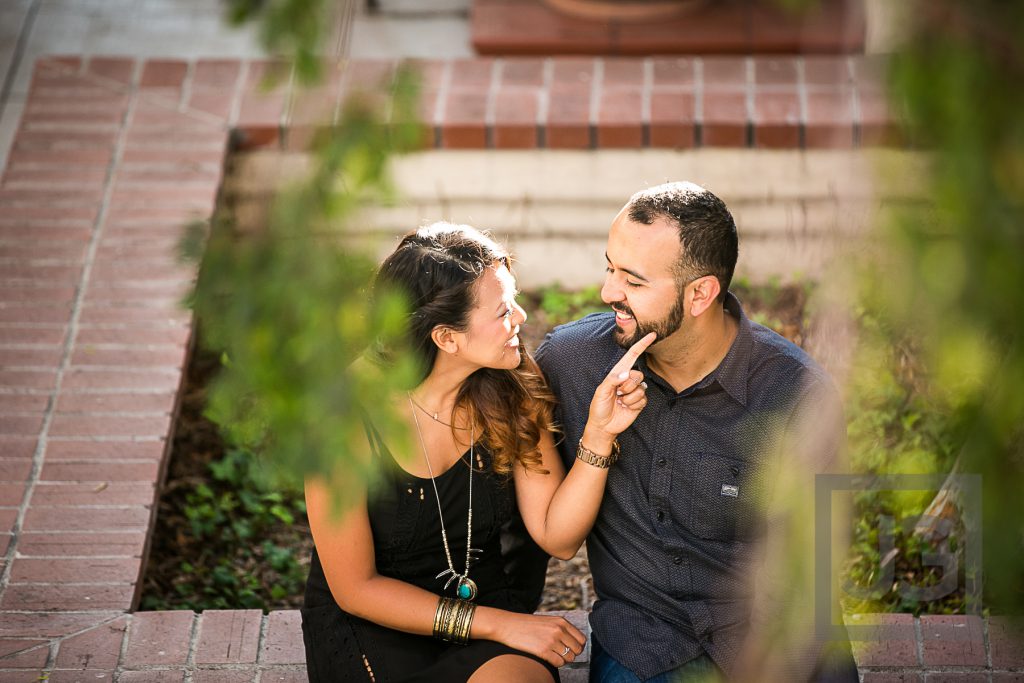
{"x":765,"y":102}
{"x":236,"y":645}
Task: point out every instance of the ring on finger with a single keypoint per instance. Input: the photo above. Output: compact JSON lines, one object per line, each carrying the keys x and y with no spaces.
{"x":643,"y":384}
{"x":565,"y":651}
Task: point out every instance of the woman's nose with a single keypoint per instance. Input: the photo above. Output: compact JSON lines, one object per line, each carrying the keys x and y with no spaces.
{"x":520,"y":314}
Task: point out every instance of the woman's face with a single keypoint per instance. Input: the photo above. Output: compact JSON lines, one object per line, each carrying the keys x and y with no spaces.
{"x":491,"y":339}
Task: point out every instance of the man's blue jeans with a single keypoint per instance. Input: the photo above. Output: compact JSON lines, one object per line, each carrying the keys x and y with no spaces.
{"x":606,"y":669}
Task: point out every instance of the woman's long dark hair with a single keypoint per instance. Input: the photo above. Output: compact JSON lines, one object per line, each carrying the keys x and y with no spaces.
{"x":436,"y":268}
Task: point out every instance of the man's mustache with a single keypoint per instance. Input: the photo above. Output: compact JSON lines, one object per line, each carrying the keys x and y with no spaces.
{"x":623,"y":309}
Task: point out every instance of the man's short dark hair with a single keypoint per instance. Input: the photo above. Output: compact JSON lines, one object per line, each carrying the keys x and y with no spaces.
{"x":707,"y":231}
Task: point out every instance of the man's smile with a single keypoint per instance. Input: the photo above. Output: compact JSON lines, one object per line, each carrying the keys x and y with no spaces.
{"x":622,"y":314}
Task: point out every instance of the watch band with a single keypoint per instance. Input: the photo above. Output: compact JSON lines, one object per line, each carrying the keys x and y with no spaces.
{"x":591,"y":458}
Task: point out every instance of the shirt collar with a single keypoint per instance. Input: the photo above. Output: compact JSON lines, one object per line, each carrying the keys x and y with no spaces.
{"x":733,"y":371}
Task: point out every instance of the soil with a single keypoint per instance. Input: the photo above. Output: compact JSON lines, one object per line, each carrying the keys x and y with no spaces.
{"x":197,"y":443}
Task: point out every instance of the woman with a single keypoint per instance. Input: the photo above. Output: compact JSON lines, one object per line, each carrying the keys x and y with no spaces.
{"x":423,"y":554}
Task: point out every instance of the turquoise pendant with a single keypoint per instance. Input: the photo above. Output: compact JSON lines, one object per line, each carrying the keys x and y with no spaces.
{"x":467,"y":588}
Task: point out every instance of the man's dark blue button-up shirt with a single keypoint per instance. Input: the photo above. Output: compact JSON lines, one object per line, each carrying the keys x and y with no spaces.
{"x":671,"y":552}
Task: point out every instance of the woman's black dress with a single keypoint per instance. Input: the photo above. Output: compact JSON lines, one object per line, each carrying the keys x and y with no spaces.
{"x":407,"y":541}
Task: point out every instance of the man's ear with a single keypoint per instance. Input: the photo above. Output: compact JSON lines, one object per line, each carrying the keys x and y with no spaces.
{"x":445,"y":338}
{"x":704,"y":292}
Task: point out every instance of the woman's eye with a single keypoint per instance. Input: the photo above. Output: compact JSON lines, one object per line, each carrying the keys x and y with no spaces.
{"x":632,"y":284}
{"x":507,"y":313}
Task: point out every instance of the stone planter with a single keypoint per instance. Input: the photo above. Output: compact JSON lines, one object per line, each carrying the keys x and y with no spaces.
{"x":625,"y":10}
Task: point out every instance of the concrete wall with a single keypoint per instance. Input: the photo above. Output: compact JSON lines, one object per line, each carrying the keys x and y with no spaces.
{"x":798,"y":212}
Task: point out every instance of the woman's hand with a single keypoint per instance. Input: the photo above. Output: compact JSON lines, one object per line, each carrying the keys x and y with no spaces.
{"x":620,"y":397}
{"x":544,"y":636}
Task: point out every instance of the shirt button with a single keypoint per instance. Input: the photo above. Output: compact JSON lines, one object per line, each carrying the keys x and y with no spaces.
{"x":662,"y":462}
{"x":677,"y":559}
{"x":660,"y":514}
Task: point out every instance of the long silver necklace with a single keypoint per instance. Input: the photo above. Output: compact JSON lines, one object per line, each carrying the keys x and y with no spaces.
{"x":466,"y":587}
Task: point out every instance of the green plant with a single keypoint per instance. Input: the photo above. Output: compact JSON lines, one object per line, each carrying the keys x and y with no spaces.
{"x":561,"y":305}
{"x":241,"y":549}
{"x":894,"y":426}
{"x":297,"y":30}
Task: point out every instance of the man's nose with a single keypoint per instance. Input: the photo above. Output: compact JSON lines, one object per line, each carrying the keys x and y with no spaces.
{"x":610,"y":293}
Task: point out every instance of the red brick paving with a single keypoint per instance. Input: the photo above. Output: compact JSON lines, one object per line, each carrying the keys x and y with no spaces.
{"x":115,"y":597}
{"x":1005,"y":638}
{"x":159,"y":638}
{"x":890,"y":641}
{"x":114,"y":155}
{"x":222,"y":676}
{"x":98,"y":648}
{"x":283,"y":641}
{"x":584,"y":102}
{"x":952,"y":641}
{"x":228,"y":637}
{"x":27,"y":654}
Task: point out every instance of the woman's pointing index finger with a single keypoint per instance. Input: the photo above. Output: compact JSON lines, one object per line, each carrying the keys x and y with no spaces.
{"x":634,"y":352}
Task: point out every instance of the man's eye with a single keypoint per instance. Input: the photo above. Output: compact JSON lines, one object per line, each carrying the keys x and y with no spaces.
{"x":608,"y":269}
{"x":632,"y":284}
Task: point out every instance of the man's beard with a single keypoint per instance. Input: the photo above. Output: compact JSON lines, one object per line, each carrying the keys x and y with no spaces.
{"x":664,"y":327}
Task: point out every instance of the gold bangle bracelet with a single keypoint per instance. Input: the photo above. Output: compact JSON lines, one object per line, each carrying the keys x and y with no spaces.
{"x":460,"y":634}
{"x":456,"y":633}
{"x":469,"y":622}
{"x":449,"y":626}
{"x":439,"y":616}
{"x":453,"y":620}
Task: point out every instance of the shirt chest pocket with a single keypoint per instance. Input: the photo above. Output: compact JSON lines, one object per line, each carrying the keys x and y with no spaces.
{"x":725,"y":495}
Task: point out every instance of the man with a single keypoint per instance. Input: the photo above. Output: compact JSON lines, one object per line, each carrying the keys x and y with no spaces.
{"x":738,"y":418}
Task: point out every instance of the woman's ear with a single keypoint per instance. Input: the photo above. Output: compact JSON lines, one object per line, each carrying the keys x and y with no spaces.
{"x":705,"y":291}
{"x":445,"y":338}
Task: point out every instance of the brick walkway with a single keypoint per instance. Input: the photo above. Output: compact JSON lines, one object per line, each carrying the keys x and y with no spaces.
{"x":113,"y":156}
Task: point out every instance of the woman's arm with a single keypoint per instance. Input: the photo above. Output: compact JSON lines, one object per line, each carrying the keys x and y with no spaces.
{"x":559,"y":510}
{"x":345,"y":546}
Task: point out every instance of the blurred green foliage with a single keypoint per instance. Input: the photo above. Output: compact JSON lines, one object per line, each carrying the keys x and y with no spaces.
{"x":895,"y":425}
{"x":289,"y":306}
{"x":562,"y":305}
{"x":297,"y":30}
{"x":949,"y":275}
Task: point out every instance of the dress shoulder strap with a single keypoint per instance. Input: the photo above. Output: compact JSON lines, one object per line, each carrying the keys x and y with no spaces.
{"x":376,"y":441}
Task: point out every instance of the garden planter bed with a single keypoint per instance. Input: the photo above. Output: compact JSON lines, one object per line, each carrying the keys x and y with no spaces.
{"x":203,"y":557}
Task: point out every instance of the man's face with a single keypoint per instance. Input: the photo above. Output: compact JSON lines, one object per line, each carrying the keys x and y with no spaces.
{"x":640,"y":282}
